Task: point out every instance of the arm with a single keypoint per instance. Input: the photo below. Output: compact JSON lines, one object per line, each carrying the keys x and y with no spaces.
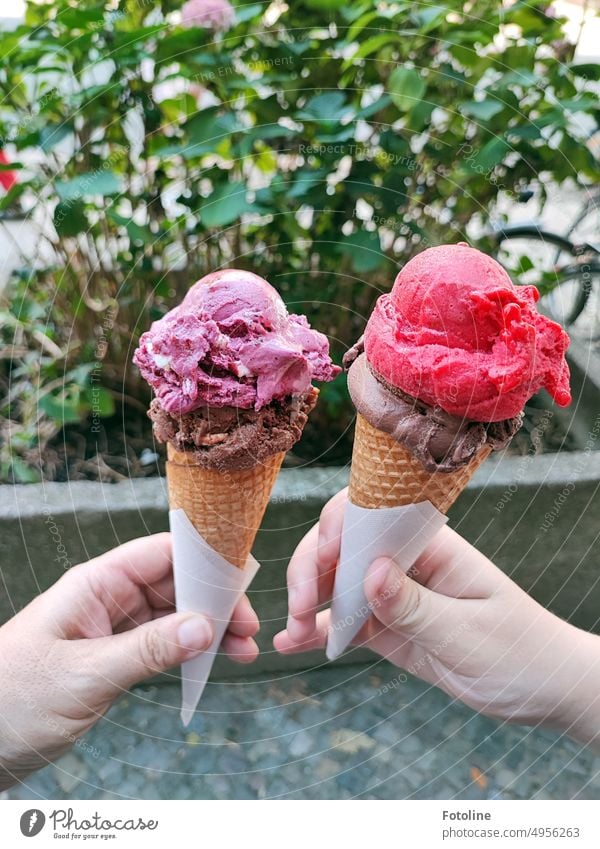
{"x":104,"y":626}
{"x":458,"y":622}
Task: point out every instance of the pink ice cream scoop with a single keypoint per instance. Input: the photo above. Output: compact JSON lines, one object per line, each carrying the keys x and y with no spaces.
{"x":456,"y":333}
{"x":231,"y":343}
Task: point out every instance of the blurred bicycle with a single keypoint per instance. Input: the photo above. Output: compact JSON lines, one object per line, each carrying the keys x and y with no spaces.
{"x":564,"y":270}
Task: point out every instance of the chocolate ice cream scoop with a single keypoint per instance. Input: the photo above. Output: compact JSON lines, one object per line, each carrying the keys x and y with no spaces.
{"x":227,"y":438}
{"x":441,"y":442}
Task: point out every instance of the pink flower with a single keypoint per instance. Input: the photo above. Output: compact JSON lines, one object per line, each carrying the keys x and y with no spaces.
{"x":208,"y":14}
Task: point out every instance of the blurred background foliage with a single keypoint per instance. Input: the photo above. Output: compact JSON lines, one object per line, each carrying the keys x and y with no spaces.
{"x":319,"y":144}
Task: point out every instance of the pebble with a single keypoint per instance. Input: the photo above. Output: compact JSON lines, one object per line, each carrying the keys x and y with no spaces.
{"x":301,"y":744}
{"x":328,"y":735}
{"x":505,"y":778}
{"x":70,"y":770}
{"x":264,"y":752}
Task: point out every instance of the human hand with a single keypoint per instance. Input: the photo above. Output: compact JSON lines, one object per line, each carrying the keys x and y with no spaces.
{"x":104,"y":626}
{"x":456,"y":621}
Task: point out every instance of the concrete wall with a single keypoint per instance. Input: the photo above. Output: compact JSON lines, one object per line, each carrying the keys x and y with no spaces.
{"x":537,"y":518}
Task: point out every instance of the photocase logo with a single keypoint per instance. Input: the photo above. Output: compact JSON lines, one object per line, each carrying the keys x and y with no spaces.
{"x":32,"y":822}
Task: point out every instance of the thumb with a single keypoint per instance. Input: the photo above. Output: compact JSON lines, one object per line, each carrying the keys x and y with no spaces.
{"x":401,"y":604}
{"x":125,"y":659}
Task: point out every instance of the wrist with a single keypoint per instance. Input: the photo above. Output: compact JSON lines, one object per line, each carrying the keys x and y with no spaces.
{"x":576,"y":687}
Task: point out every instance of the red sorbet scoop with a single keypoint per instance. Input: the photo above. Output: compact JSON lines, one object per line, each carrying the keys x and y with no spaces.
{"x":457,"y":333}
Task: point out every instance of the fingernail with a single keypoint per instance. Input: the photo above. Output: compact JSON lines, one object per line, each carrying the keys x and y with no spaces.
{"x":293,"y":596}
{"x":194,"y":634}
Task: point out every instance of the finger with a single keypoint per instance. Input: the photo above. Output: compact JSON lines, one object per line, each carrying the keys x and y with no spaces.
{"x":244,"y":622}
{"x":452,"y":566}
{"x":330,"y":528}
{"x":303,"y":583}
{"x":311,"y":571}
{"x":240,"y":649}
{"x":161,"y":594}
{"x":118,"y":581}
{"x":385,"y":642}
{"x":409,"y":608}
{"x":286,"y":642}
{"x":143,"y":561}
{"x":121,"y":660}
{"x":373,"y":636}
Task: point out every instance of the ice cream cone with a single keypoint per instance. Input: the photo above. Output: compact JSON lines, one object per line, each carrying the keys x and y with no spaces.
{"x":225,"y":507}
{"x":385,"y":473}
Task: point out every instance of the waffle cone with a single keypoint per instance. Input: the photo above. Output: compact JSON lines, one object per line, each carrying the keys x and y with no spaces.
{"x":226,"y":508}
{"x":384,"y":473}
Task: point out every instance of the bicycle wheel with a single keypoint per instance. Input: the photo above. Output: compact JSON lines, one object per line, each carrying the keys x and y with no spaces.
{"x":586,"y":226}
{"x":535,"y":257}
{"x":567,"y":301}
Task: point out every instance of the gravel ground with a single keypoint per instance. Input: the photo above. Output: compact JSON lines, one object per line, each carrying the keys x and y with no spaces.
{"x":331,"y":733}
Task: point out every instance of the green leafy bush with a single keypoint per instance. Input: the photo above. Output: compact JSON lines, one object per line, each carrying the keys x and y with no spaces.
{"x":319,"y":145}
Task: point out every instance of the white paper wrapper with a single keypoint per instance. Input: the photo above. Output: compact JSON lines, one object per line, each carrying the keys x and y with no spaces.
{"x":206,"y":583}
{"x":401,"y":533}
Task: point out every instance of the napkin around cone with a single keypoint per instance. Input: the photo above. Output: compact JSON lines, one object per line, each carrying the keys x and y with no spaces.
{"x":401,"y":533}
{"x":205,"y":582}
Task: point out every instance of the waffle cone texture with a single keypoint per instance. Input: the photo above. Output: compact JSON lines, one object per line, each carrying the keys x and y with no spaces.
{"x":225,"y":507}
{"x":384,"y":473}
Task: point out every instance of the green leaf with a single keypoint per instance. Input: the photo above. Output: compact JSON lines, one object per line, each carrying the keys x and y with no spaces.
{"x":371,"y":45}
{"x":528,"y":131}
{"x":307,"y":179}
{"x":85,"y":185}
{"x":204,"y":132}
{"x":532,"y":21}
{"x":430,"y":16}
{"x":70,"y":218}
{"x":80,"y":374}
{"x":248,"y":12}
{"x":173,"y":45}
{"x":376,"y":106}
{"x":364,"y":250}
{"x":325,"y":5}
{"x":209,"y":129}
{"x":78,"y":18}
{"x":521,"y":77}
{"x":8,"y":43}
{"x":583,"y":103}
{"x":482,"y":110}
{"x":326,"y":107}
{"x":467,"y":56}
{"x":225,"y":205}
{"x":136,"y":232}
{"x":53,"y":134}
{"x":490,"y":155}
{"x":330,"y":134}
{"x":100,"y":401}
{"x":406,"y":87}
{"x":586,"y":70}
{"x":63,"y":405}
{"x":270,"y":131}
{"x":359,"y":25}
{"x":13,"y":194}
{"x":420,"y":116}
{"x":22,"y":472}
